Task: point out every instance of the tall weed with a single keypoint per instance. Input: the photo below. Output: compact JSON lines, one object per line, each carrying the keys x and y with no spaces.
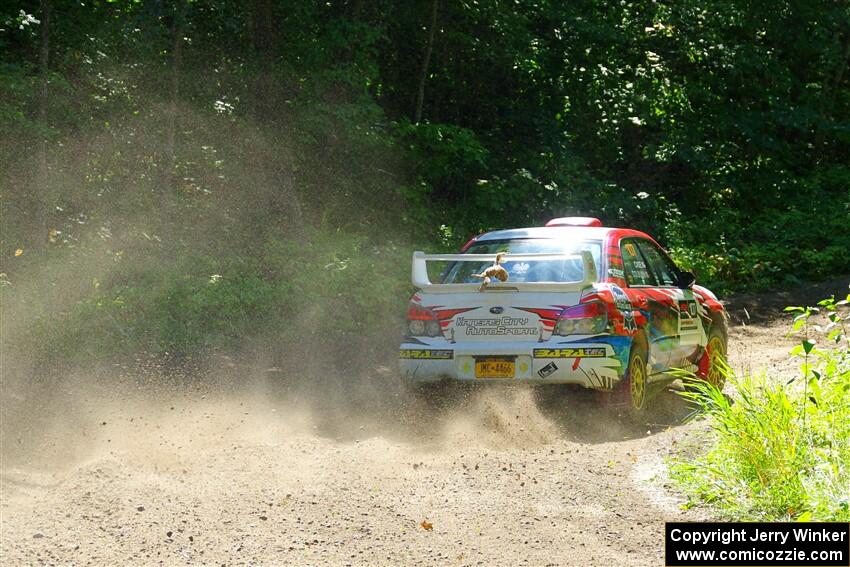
{"x":781,"y":448}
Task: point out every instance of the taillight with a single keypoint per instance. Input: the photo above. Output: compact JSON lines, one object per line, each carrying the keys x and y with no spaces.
{"x":422,"y":322}
{"x":589,"y":318}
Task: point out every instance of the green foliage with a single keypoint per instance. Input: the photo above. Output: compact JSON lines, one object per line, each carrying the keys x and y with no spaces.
{"x":443,"y":152}
{"x":781,"y":449}
{"x":339,"y":286}
{"x":738,"y":249}
{"x":276,"y":123}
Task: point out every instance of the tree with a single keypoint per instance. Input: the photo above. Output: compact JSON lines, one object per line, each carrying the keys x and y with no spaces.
{"x":43,"y":175}
{"x":426,"y":61}
{"x":177,"y":29}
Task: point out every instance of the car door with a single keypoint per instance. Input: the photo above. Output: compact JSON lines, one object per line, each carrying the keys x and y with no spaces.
{"x":686,"y":326}
{"x":642,"y":287}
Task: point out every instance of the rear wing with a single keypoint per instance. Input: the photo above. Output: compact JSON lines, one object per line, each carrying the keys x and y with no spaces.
{"x":422,"y":281}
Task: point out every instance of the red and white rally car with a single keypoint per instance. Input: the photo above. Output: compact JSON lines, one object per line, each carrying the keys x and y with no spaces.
{"x":604,"y":308}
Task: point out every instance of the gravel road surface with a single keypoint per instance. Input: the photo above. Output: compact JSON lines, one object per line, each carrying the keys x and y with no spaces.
{"x":119,"y":471}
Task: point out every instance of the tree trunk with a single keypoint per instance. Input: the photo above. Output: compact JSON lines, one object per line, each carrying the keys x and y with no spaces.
{"x":263,"y":99}
{"x":834,"y":86}
{"x":264,"y":39}
{"x":426,"y":62}
{"x":171,"y":125}
{"x":42,"y":183}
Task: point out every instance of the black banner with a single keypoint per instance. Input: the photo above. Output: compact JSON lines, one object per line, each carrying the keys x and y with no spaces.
{"x":757,"y":544}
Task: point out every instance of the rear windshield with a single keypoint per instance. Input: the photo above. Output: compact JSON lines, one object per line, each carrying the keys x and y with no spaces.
{"x":549,"y":271}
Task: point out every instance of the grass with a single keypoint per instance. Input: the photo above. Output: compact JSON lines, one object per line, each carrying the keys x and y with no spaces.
{"x":780,"y":449}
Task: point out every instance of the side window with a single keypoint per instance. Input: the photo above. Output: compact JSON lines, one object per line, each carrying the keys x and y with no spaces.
{"x":661,"y":267}
{"x":634,"y":265}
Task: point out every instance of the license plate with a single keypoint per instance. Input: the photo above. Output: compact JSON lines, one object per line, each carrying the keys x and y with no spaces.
{"x":498,"y":368}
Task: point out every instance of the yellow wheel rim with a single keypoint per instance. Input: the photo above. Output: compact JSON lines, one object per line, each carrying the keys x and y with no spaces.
{"x":637,"y":380}
{"x":716,"y":362}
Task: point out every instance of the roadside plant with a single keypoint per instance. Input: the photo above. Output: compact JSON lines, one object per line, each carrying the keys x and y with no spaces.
{"x":780,"y":447}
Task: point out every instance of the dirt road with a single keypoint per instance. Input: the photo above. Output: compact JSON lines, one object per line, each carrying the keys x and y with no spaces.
{"x":245,"y":475}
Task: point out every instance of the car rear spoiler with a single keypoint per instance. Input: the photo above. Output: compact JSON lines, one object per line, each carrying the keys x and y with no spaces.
{"x":422,"y":281}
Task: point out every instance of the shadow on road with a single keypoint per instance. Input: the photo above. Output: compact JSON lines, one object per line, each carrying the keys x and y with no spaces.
{"x":583,"y":417}
{"x":760,"y":308}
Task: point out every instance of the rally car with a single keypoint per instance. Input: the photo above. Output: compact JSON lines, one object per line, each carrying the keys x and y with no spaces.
{"x":603,"y":308}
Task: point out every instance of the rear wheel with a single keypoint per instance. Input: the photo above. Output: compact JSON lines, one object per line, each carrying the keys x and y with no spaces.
{"x":637,"y":381}
{"x":715,"y":350}
{"x":633,"y":391}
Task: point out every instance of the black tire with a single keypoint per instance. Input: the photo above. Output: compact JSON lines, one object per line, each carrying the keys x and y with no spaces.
{"x":633,"y":391}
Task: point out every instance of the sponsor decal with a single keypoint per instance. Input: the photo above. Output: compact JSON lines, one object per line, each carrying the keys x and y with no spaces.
{"x":426,"y":354}
{"x":497,"y":310}
{"x":496,"y":326}
{"x":616,"y":273}
{"x":624,"y":306}
{"x":520,"y":268}
{"x":687,"y":315}
{"x":547,"y":370}
{"x":689,"y":307}
{"x":444,"y":316}
{"x":621,"y":300}
{"x":583,"y":352}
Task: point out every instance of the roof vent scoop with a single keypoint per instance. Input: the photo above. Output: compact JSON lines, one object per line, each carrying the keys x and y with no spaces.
{"x":575,"y":221}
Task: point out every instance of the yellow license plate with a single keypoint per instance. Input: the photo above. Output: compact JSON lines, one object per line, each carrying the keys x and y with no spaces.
{"x":495,"y":368}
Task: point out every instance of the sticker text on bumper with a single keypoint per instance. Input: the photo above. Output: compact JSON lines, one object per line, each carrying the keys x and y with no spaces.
{"x":591,"y":352}
{"x":425,"y":354}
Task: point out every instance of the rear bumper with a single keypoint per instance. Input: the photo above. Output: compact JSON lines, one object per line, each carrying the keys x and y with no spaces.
{"x":590,"y":363}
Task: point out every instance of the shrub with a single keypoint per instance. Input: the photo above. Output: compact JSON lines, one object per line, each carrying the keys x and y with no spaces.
{"x":781,"y":449}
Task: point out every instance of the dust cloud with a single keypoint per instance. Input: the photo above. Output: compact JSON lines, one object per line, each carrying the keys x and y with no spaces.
{"x":158,"y":415}
{"x":241,"y":463}
{"x":280,"y":448}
